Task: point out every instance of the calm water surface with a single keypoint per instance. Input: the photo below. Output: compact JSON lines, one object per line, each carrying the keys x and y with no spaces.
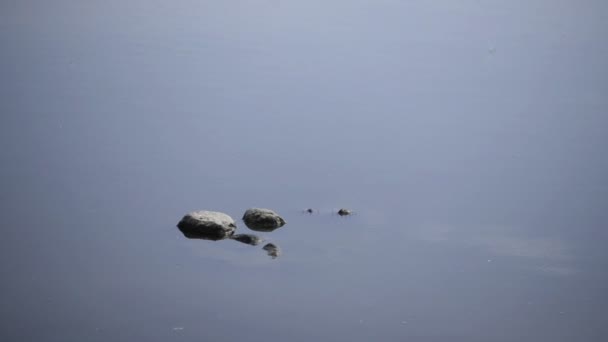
{"x":469,"y":137}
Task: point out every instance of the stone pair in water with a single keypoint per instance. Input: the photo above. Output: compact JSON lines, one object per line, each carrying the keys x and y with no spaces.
{"x":213,"y":225}
{"x":341,"y":212}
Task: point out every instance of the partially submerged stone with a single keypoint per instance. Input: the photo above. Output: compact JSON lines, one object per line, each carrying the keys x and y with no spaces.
{"x":263,"y":220}
{"x":247,"y":238}
{"x":345,"y":212}
{"x":207,"y":225}
{"x":272,"y":250}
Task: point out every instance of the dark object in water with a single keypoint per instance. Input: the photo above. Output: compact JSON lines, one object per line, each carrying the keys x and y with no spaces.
{"x":207,"y":225}
{"x":345,"y":212}
{"x":309,"y":211}
{"x":272,"y":250}
{"x":262,"y":220}
{"x":247,"y":238}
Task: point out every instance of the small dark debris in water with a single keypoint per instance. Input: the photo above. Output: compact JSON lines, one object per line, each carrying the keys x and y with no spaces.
{"x":310,"y":211}
{"x":247,"y":238}
{"x":345,"y":212}
{"x":272,"y":250}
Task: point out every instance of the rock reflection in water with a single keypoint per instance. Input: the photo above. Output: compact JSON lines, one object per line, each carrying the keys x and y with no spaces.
{"x":249,"y":239}
{"x":272,"y":250}
{"x":194,"y":233}
{"x":215,"y":226}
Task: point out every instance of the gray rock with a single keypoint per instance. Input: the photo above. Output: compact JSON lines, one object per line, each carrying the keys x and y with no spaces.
{"x":345,"y":212}
{"x":263,"y":220}
{"x":207,"y":225}
{"x":247,"y":238}
{"x":272,"y":250}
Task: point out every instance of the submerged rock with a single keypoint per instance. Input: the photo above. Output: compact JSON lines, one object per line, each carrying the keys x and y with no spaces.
{"x":263,"y":220}
{"x":272,"y":250}
{"x":345,"y":212}
{"x":207,"y":225}
{"x":247,"y":238}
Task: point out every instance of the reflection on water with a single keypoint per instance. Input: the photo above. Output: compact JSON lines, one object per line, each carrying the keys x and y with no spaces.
{"x":249,"y":239}
{"x":203,"y":235}
{"x":272,"y":250}
{"x":469,"y":137}
{"x":192,"y":231}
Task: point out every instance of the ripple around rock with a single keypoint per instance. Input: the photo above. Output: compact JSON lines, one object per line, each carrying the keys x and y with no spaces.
{"x":207,"y":225}
{"x":263,"y":220}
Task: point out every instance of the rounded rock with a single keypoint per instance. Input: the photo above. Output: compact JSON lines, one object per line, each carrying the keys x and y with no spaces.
{"x":344,"y":212}
{"x":264,"y":220}
{"x":207,"y":225}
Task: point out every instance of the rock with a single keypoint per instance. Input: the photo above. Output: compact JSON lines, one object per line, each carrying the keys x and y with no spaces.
{"x":247,"y":238}
{"x":272,"y":250}
{"x":345,"y":212}
{"x":207,"y":225}
{"x":263,"y":220}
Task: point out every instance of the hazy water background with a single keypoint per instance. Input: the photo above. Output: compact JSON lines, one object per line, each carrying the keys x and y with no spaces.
{"x":469,"y":137}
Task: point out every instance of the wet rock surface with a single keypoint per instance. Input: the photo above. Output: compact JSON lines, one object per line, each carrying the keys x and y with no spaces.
{"x":247,"y":238}
{"x":207,"y":225}
{"x":263,"y":220}
{"x":272,"y":250}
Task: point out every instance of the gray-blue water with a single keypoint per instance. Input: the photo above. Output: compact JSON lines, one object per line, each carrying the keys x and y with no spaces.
{"x":468,"y":136}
